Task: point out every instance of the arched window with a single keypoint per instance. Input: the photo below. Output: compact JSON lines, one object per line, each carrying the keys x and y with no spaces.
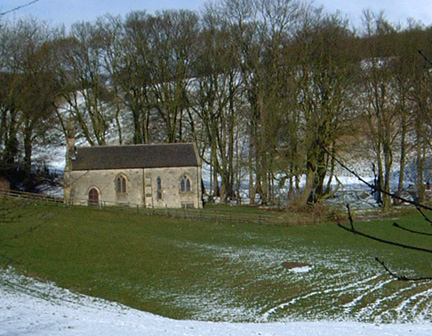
{"x":185,"y":184}
{"x":159,"y":188}
{"x":121,"y":184}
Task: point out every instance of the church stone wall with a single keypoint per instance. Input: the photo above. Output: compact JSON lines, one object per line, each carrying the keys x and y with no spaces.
{"x":141,"y":187}
{"x":171,"y":195}
{"x":104,"y":181}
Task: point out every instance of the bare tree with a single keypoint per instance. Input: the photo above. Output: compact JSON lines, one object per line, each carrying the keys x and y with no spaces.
{"x":85,"y":81}
{"x":261,"y":31}
{"x":216,"y":103}
{"x":29,"y":92}
{"x":380,"y":111}
{"x":129,"y":64}
{"x":112,"y":37}
{"x":327,"y":68}
{"x":173,"y":36}
{"x":419,"y":95}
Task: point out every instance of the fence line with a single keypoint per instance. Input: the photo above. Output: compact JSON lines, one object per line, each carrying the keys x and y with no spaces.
{"x":212,"y":215}
{"x":30,"y":196}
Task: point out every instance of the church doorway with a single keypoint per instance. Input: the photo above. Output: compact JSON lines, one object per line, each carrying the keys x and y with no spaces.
{"x":93,"y":197}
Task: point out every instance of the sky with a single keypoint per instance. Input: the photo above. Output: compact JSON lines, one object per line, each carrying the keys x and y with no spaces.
{"x":66,"y":12}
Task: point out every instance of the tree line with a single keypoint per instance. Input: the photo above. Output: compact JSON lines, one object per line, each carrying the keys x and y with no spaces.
{"x":269,"y":90}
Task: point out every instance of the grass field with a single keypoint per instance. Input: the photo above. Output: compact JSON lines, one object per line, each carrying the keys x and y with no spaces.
{"x":204,"y":270}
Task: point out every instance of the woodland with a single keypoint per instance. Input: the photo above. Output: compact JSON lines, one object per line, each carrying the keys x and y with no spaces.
{"x":271,"y":91}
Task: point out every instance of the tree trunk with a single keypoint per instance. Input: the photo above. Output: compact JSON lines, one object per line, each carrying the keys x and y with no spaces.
{"x":309,"y":186}
{"x":387,"y":172}
{"x":402,"y":159}
{"x":29,"y":183}
{"x":379,"y":177}
{"x":420,"y":166}
{"x":291,"y":192}
{"x":70,"y":152}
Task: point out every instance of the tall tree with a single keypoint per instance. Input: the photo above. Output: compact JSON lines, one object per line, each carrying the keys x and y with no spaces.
{"x":261,"y":29}
{"x":327,"y":68}
{"x":130,"y":59}
{"x":29,"y":91}
{"x":379,"y":107}
{"x":173,"y":36}
{"x":216,"y":104}
{"x":409,"y":69}
{"x":420,"y":95}
{"x":85,"y":81}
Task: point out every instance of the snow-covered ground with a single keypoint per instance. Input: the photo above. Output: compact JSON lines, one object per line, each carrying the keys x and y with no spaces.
{"x":30,"y":307}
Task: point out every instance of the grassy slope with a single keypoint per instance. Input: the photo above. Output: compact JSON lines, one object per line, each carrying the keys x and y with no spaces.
{"x":203,"y":270}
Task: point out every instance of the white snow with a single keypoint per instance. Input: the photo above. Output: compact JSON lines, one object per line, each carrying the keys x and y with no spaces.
{"x":31,"y":307}
{"x":301,"y":269}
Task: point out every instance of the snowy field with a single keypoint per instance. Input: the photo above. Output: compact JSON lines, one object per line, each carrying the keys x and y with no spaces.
{"x":30,"y":307}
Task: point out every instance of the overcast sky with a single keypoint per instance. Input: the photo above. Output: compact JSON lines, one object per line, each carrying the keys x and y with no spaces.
{"x":69,"y":11}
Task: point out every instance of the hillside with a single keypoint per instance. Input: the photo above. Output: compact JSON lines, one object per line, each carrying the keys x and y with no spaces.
{"x":44,"y":309}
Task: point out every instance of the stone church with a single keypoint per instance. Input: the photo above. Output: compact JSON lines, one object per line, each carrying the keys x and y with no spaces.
{"x":155,"y":176}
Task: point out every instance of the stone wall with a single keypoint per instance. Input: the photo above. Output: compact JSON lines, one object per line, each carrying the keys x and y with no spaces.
{"x":172,"y":196}
{"x":141,"y":187}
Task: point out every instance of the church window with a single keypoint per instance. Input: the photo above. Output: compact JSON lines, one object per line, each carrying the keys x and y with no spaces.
{"x":121,"y":184}
{"x":185,"y":184}
{"x":159,"y":188}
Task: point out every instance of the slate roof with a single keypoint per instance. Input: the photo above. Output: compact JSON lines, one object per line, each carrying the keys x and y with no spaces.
{"x":135,"y":156}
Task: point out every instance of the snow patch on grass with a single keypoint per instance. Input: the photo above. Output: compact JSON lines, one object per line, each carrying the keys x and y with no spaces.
{"x":31,"y":307}
{"x":301,"y":269}
{"x":334,"y":285}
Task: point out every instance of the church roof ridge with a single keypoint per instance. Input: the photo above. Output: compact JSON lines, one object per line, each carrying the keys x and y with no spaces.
{"x":135,"y":156}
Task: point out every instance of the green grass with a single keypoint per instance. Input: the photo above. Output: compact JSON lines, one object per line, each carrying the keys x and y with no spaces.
{"x":223,"y":272}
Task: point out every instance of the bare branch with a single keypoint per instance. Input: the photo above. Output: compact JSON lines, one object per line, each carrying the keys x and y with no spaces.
{"x":425,"y":58}
{"x":385,"y":241}
{"x":18,"y":8}
{"x":401,"y":277}
{"x":412,"y":231}
{"x":350,"y":217}
{"x":426,"y":218}
{"x":352,"y":229}
{"x":377,"y":188}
